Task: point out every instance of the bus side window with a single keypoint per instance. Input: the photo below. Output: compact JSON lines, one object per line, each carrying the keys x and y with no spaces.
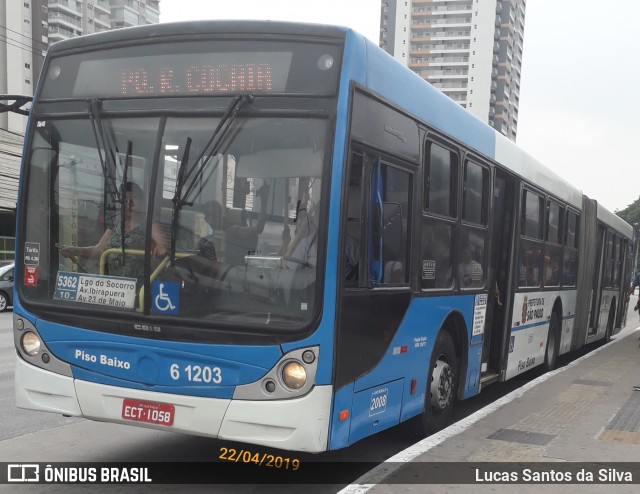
{"x":570,"y":261}
{"x":396,"y":205}
{"x":388,"y":198}
{"x":438,"y":233}
{"x":553,"y":247}
{"x":437,"y":263}
{"x":531,"y":242}
{"x":354,"y":222}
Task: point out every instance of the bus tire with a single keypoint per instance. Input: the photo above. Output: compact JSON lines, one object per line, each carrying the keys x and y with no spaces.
{"x":551,"y":352}
{"x":441,"y":389}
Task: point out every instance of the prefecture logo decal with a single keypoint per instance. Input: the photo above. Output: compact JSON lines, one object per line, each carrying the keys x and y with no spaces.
{"x":524,"y":309}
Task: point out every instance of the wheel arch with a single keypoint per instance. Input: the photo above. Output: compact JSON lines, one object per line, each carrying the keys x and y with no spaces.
{"x":454,"y":324}
{"x":557,"y":310}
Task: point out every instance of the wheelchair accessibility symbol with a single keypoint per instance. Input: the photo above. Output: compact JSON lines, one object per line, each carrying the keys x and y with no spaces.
{"x":165,"y":297}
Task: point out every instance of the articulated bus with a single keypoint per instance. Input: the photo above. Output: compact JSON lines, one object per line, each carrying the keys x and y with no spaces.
{"x":320,"y":245}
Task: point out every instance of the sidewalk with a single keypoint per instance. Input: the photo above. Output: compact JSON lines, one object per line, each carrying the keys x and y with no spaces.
{"x":587,"y":411}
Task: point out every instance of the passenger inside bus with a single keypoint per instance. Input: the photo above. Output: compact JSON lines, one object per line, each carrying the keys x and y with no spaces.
{"x":441,"y":252}
{"x":470,"y":274}
{"x":529,"y":271}
{"x":551,"y":271}
{"x":241,"y":238}
{"x":302,"y":250}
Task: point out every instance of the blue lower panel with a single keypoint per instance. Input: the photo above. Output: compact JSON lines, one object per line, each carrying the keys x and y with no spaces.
{"x":375,"y":409}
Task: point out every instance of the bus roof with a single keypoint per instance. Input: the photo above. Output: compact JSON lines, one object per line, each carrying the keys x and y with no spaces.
{"x":614,"y":221}
{"x":196,"y":29}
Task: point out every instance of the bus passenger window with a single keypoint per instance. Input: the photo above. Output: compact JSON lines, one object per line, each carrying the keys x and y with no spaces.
{"x":552,"y":259}
{"x":529,"y":264}
{"x":395,"y":222}
{"x":530,"y":255}
{"x":531,"y":224}
{"x":615,"y":278}
{"x":471,"y":263}
{"x":475,"y":193}
{"x":570,"y":260}
{"x":441,"y":181}
{"x":436,"y":263}
{"x":553,"y":248}
{"x":354,"y":222}
{"x":609,"y":264}
{"x":570,"y":267}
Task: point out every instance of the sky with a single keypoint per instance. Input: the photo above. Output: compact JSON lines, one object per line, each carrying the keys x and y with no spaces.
{"x":579,"y":61}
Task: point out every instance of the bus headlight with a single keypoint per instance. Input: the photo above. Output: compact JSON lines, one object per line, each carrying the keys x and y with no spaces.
{"x":293,"y":375}
{"x":30,"y":343}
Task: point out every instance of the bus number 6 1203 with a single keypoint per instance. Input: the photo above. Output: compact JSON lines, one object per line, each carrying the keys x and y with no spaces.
{"x":196,"y":373}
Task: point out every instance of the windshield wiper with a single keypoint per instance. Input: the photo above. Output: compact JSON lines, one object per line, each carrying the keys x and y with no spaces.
{"x":102,"y":146}
{"x":218,"y":136}
{"x":123,"y":193}
{"x":179,"y":200}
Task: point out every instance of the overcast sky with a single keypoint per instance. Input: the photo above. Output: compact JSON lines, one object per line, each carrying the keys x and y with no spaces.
{"x":578,"y":109}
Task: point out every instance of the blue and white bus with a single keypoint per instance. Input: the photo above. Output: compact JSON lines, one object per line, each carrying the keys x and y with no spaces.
{"x":318,"y":244}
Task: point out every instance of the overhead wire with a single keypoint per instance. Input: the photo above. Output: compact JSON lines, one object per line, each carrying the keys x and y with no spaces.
{"x":23,"y":35}
{"x":9,"y":40}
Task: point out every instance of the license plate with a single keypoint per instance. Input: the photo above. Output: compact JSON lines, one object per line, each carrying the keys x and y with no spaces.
{"x":147,"y":411}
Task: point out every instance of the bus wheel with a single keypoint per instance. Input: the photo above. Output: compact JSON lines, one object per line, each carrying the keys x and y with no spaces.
{"x":551,"y":353}
{"x":441,"y":389}
{"x":442,"y":385}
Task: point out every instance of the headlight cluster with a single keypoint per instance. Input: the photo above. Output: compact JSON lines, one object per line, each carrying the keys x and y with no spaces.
{"x":293,"y":375}
{"x":32,"y":348}
{"x":29,"y":341}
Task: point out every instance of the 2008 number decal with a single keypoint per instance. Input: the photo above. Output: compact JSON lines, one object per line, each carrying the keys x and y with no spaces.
{"x":378,"y":403}
{"x":197,"y":373}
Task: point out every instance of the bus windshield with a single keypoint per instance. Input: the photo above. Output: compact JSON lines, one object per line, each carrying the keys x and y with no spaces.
{"x":209,"y":219}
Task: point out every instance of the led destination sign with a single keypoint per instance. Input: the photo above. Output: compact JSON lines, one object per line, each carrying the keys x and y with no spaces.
{"x":199,"y":79}
{"x":194,"y":69}
{"x":184,"y":75}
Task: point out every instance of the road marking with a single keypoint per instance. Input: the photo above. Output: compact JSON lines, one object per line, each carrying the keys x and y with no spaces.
{"x":390,"y":465}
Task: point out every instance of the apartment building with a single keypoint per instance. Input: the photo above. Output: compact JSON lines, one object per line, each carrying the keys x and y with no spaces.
{"x":469,"y":49}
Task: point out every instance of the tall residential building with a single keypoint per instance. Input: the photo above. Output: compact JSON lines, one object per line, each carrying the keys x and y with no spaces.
{"x":469,"y":49}
{"x":71,"y":18}
{"x":26,"y":29}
